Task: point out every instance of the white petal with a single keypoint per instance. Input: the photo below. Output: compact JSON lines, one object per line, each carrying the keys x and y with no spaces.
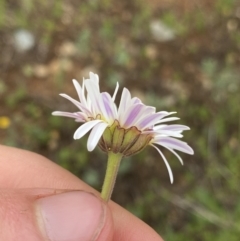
{"x":149,"y":121}
{"x":150,"y":112}
{"x":174,"y":144}
{"x":83,"y":129}
{"x":131,"y":115}
{"x":167,"y":119}
{"x":165,"y":113}
{"x":169,"y":133}
{"x":77,"y":103}
{"x":179,"y":158}
{"x":94,"y":77}
{"x":172,"y":127}
{"x":66,"y":114}
{"x":76,"y":115}
{"x":80,"y":92}
{"x":124,"y":102}
{"x":166,"y":163}
{"x":115,"y":92}
{"x":96,"y":98}
{"x":109,"y":106}
{"x":95,"y":135}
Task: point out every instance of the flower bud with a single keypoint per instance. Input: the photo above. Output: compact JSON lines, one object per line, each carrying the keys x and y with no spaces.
{"x":125,"y":141}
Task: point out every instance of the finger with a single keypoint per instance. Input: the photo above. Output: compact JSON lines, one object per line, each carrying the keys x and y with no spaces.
{"x":53,"y":215}
{"x":25,"y":169}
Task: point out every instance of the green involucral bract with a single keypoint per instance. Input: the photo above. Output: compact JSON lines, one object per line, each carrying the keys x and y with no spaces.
{"x":125,"y":141}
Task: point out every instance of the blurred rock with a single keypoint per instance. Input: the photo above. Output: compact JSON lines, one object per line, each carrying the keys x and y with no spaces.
{"x":23,"y":40}
{"x":232,"y":25}
{"x":67,"y":49}
{"x":58,"y":65}
{"x":151,"y":51}
{"x":161,"y":32}
{"x":55,"y":67}
{"x":41,"y":71}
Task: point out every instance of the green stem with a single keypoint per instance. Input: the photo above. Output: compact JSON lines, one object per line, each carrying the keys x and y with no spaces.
{"x":111,"y":174}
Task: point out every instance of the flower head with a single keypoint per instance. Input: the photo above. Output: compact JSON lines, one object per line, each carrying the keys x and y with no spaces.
{"x":127,"y":129}
{"x":97,"y":110}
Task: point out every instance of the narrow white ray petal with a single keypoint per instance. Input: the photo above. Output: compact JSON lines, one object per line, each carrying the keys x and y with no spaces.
{"x":89,"y":102}
{"x":76,"y":115}
{"x":78,"y":88}
{"x":148,"y":116}
{"x":83,"y":129}
{"x":92,"y":88}
{"x":79,"y":92}
{"x":165,"y":113}
{"x":171,"y":150}
{"x":172,"y":127}
{"x":115,"y":92}
{"x":174,"y":144}
{"x":94,"y":77}
{"x":169,"y":133}
{"x":167,"y":119}
{"x":159,"y":126}
{"x":62,"y":113}
{"x":124,"y":102}
{"x":93,"y":97}
{"x":160,"y":131}
{"x":96,"y":98}
{"x":166,"y":163}
{"x":95,"y":135}
{"x":77,"y":103}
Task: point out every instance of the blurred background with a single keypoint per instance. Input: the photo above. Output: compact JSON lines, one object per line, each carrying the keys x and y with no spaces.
{"x":177,"y":55}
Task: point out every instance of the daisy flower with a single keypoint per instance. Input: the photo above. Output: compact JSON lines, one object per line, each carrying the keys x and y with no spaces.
{"x":97,"y":110}
{"x":122,"y":131}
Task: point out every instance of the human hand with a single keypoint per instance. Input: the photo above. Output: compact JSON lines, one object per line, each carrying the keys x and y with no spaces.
{"x":40,"y":201}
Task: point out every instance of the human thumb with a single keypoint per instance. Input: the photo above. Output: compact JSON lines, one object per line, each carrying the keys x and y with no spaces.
{"x":53,"y":215}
